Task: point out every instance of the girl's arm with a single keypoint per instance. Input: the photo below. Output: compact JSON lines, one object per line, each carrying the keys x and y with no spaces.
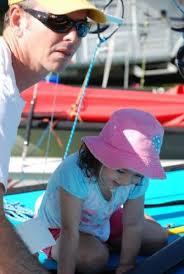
{"x":69,"y":240}
{"x":133,"y":221}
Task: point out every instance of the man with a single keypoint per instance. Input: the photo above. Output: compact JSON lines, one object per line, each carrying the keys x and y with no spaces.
{"x":38,"y":36}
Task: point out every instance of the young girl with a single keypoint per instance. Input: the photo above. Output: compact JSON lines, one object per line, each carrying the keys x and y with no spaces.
{"x":95,"y":199}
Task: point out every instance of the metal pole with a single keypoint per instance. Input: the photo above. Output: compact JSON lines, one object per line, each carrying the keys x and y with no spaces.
{"x":126,"y":70}
{"x":109,"y":58}
{"x":108,"y":63}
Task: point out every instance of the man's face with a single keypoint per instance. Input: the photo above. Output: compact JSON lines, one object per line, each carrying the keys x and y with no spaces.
{"x":46,"y":50}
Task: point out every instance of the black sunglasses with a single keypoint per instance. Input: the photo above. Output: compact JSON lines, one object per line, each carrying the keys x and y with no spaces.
{"x":61,"y":23}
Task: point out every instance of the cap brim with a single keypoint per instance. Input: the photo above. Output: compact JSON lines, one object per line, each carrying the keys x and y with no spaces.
{"x":116,"y":159}
{"x":68,"y":6}
{"x":63,"y":7}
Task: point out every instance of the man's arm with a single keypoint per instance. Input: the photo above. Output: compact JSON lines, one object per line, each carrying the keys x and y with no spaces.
{"x":15,"y":257}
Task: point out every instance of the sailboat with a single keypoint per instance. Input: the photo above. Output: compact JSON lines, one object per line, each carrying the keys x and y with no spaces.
{"x":145,"y":38}
{"x":99,"y":103}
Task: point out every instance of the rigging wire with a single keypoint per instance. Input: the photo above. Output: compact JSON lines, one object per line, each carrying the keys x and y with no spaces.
{"x":178,"y":6}
{"x":180,"y":54}
{"x":28,"y":130}
{"x":101,"y":40}
{"x":111,"y":19}
{"x":85,"y":85}
{"x":50,"y":128}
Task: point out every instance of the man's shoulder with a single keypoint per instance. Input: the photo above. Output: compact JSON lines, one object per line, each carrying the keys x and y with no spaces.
{"x":3,"y":47}
{"x":4,"y":55}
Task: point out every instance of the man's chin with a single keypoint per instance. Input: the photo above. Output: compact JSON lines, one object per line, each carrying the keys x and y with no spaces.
{"x":58,"y":68}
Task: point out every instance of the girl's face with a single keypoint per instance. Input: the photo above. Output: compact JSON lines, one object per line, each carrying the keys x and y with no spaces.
{"x":121,"y":177}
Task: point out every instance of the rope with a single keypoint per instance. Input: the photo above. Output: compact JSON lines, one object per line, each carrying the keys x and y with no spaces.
{"x":178,"y":6}
{"x":180,"y":54}
{"x":73,"y":109}
{"x":28,"y":130}
{"x":50,"y":128}
{"x":17,"y":211}
{"x":101,"y":40}
{"x":82,"y":94}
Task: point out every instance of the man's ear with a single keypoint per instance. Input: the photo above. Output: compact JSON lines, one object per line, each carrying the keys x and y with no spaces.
{"x":15,"y":15}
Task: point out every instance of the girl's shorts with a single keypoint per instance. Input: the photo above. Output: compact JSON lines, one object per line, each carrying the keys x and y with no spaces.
{"x":115,"y":229}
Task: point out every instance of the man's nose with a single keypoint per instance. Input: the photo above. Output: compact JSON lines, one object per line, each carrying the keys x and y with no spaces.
{"x":72,"y":36}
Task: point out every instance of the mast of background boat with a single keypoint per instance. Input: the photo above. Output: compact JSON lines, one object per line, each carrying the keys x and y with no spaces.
{"x":134,"y":37}
{"x":108,"y":62}
{"x":28,"y":128}
{"x":110,"y":47}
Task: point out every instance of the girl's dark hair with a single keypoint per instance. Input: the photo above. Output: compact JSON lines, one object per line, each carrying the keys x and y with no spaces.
{"x":88,"y":163}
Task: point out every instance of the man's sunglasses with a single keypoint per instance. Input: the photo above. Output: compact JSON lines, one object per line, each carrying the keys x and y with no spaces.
{"x":61,"y":23}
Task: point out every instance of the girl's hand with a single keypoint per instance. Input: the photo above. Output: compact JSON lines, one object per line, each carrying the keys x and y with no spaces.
{"x":123,"y":268}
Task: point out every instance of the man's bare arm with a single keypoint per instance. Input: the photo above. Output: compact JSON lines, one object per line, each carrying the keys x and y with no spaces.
{"x":15,"y":257}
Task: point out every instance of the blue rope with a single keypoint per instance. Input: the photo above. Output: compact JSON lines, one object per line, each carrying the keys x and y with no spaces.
{"x":181,"y":10}
{"x":86,"y":82}
{"x":178,"y":6}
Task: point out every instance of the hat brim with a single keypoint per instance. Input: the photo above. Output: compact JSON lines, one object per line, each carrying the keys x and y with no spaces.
{"x":113,"y":158}
{"x":63,"y":7}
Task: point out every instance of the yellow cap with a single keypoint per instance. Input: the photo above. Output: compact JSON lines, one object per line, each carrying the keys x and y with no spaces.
{"x":60,"y":7}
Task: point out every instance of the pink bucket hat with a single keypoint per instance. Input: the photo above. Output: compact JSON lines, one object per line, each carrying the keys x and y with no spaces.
{"x":131,"y":139}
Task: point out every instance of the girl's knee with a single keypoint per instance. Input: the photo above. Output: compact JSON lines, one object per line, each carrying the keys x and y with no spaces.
{"x":155,"y":237}
{"x":93,"y":262}
{"x":161,"y":235}
{"x":161,"y":238}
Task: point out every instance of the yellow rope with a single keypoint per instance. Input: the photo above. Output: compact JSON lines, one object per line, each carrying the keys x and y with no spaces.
{"x":74,"y":107}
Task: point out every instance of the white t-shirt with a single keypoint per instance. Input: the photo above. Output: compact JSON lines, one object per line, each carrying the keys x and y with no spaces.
{"x":96,"y":211}
{"x":11,"y":106}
